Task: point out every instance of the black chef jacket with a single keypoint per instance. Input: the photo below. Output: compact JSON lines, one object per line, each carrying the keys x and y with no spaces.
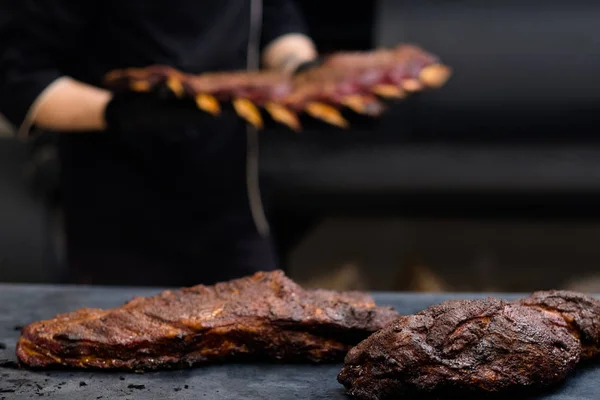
{"x":175,"y":209}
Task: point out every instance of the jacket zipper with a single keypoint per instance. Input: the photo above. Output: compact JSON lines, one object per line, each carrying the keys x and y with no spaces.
{"x":252,"y":152}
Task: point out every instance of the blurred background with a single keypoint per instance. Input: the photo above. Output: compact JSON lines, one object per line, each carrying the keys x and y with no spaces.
{"x":489,"y":184}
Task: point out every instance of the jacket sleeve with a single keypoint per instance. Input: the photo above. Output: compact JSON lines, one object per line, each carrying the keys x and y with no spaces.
{"x":37,"y":39}
{"x":281,"y":17}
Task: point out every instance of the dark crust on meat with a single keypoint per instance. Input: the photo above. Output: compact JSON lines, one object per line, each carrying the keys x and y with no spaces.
{"x":581,"y":312}
{"x":476,"y":347}
{"x":262,"y":317}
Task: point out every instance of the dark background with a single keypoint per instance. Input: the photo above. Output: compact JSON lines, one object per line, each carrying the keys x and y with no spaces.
{"x":491,"y":182}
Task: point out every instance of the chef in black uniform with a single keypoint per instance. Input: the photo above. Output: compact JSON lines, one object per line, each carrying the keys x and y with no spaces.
{"x":154,"y":192}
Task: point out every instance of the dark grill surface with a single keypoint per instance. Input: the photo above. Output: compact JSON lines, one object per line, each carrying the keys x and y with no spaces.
{"x":20,"y":305}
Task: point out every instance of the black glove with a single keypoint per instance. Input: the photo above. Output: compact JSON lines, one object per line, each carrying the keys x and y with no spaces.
{"x":143,"y":113}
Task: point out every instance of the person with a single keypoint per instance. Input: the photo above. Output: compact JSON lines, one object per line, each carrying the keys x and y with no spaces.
{"x":153,"y":193}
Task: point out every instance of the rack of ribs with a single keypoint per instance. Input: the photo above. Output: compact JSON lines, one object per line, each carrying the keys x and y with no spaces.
{"x":476,"y":347}
{"x":356,"y":81}
{"x":264,"y":317}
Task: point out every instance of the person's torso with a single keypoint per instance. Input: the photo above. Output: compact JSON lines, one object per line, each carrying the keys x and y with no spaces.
{"x":192,"y":35}
{"x":196,"y":178}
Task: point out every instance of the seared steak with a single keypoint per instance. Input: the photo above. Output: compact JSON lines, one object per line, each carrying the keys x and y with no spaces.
{"x":262,"y":317}
{"x":476,"y":347}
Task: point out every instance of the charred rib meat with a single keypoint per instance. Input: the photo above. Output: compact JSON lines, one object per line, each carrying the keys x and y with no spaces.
{"x":262,"y":317}
{"x":352,"y":80}
{"x":476,"y":347}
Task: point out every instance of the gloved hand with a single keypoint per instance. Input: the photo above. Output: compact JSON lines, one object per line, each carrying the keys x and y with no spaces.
{"x":143,"y":113}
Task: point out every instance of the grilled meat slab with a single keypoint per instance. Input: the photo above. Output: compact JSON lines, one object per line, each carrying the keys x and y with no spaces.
{"x":476,"y":347}
{"x":262,"y":317}
{"x":356,"y":81}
